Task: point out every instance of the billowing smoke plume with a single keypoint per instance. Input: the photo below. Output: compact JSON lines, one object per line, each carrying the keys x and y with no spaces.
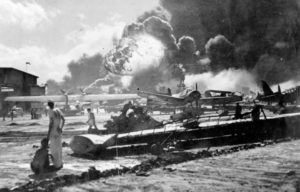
{"x":187,"y":53}
{"x":251,"y":33}
{"x":146,"y":55}
{"x":156,"y":11}
{"x":227,"y":80}
{"x":221,"y":53}
{"x":285,"y":86}
{"x":83,"y":72}
{"x":217,"y":44}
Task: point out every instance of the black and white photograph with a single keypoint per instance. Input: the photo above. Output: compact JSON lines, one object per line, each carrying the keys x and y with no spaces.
{"x":149,"y":95}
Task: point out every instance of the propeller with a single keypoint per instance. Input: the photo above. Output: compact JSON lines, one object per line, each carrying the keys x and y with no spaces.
{"x":83,"y":92}
{"x":66,"y":92}
{"x":198,"y":97}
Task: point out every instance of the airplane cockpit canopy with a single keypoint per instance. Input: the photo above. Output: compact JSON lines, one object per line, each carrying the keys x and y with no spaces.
{"x":185,"y":92}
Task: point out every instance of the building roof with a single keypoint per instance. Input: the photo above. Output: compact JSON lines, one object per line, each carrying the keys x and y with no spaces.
{"x":19,"y":70}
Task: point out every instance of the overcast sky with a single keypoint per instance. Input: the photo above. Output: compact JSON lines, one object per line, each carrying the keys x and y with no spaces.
{"x":51,"y":33}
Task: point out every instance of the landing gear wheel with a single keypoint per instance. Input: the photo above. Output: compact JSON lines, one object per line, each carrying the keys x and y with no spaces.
{"x":156,"y":149}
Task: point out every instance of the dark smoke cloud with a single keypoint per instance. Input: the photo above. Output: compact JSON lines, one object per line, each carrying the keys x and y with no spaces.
{"x":162,"y":30}
{"x":255,"y":28}
{"x":187,"y":51}
{"x":221,"y":53}
{"x":133,"y":29}
{"x":83,"y":72}
{"x":53,"y":87}
{"x":156,"y":11}
{"x":165,"y":67}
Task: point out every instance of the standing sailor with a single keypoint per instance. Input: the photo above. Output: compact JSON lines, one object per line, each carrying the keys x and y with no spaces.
{"x":57,"y":122}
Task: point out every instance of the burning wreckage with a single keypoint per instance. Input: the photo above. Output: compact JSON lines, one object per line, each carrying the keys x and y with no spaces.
{"x":134,"y":127}
{"x":148,"y":55}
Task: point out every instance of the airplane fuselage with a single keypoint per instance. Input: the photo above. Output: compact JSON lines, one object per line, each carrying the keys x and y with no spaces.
{"x":220,"y":100}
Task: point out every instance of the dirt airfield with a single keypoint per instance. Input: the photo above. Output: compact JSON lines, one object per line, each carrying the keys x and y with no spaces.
{"x":269,"y":167}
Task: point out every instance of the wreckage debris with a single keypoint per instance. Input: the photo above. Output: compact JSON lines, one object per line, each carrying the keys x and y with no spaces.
{"x":132,"y":118}
{"x":76,"y":123}
{"x":143,"y":169}
{"x":291,"y":173}
{"x":34,"y":124}
{"x":64,"y":144}
{"x":156,"y":149}
{"x":13,"y":124}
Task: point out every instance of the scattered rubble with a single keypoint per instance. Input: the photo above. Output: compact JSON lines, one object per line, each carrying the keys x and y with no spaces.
{"x":76,"y":123}
{"x":13,"y":124}
{"x":143,"y":169}
{"x":64,"y":144}
{"x":132,"y":118}
{"x":291,"y":173}
{"x":34,"y":124}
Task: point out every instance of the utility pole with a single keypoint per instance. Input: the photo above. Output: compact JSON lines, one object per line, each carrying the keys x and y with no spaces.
{"x":27,"y":63}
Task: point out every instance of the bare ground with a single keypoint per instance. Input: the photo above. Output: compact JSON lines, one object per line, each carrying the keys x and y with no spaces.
{"x":271,"y":168}
{"x":20,"y":138}
{"x":267,"y":168}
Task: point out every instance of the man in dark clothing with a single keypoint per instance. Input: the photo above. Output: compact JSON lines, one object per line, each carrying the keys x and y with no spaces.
{"x":255,"y":113}
{"x":12,"y":114}
{"x":4,"y":114}
{"x":40,"y":163}
{"x":31,"y":112}
{"x":238,"y":111}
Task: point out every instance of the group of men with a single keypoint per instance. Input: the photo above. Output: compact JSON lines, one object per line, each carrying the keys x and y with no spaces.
{"x":11,"y":113}
{"x":41,"y":163}
{"x":255,"y":112}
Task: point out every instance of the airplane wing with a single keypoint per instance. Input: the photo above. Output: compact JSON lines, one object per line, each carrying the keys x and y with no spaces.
{"x":160,"y":97}
{"x":73,"y":98}
{"x":45,"y":98}
{"x":208,"y":93}
{"x":218,"y":91}
{"x":222,"y":100}
{"x":107,"y":97}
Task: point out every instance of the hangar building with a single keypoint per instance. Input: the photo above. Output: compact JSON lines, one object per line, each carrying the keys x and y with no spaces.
{"x":15,"y":82}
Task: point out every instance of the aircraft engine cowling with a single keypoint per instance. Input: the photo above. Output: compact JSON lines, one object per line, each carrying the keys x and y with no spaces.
{"x":195,"y":95}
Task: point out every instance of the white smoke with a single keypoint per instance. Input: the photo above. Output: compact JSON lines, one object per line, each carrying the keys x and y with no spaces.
{"x":126,"y":81}
{"x":172,"y":84}
{"x":286,"y":85}
{"x":227,"y":80}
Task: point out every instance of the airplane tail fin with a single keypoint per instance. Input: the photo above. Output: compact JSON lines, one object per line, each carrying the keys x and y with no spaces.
{"x":279,"y":90}
{"x":280,"y":96}
{"x":258,"y":96}
{"x":267,"y":90}
{"x":169,"y":92}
